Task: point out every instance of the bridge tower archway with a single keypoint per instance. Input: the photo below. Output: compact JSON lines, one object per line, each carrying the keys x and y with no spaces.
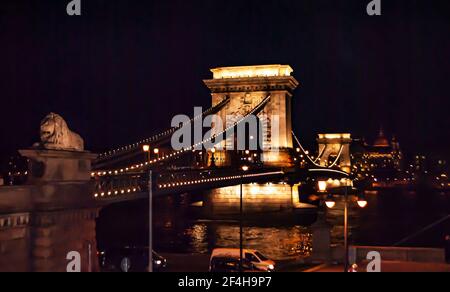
{"x":247,"y":87}
{"x":335,"y":149}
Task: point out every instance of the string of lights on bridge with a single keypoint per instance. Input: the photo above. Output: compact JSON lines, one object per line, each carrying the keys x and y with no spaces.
{"x":185,"y":183}
{"x":176,"y":154}
{"x":160,"y":135}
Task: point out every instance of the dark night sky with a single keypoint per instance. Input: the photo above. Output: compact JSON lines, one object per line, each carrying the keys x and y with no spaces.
{"x":122,"y":70}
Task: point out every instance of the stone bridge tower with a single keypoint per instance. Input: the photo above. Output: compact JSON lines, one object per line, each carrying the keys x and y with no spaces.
{"x":335,"y":146}
{"x":247,"y":87}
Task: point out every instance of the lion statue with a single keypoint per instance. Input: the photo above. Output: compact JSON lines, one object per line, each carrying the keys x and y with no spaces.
{"x":56,"y":135}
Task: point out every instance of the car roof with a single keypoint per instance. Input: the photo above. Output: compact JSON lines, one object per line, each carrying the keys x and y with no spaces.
{"x":217,"y":250}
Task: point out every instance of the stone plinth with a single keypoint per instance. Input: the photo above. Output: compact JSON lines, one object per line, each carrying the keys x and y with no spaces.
{"x":58,"y":166}
{"x":54,"y":214}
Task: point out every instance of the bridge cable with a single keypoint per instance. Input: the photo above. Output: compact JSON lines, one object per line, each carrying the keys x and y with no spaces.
{"x":221,"y":135}
{"x":162,"y":135}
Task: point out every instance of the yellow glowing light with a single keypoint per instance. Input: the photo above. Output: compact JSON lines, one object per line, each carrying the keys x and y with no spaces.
{"x":245,"y":168}
{"x":322,"y":186}
{"x":362,"y":203}
{"x":330,"y":204}
{"x":146,"y":148}
{"x":335,"y":136}
{"x":252,"y":71}
{"x":156,"y":151}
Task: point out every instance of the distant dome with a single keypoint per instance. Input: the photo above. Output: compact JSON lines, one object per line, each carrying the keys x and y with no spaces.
{"x":381,"y":141}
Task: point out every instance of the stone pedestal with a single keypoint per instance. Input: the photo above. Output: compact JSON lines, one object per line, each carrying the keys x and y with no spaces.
{"x":54,"y":214}
{"x":48,"y":166}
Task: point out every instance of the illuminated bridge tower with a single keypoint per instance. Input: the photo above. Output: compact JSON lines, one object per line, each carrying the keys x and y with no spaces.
{"x":247,"y":87}
{"x":335,"y":149}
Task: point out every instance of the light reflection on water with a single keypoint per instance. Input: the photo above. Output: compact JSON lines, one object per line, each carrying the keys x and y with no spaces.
{"x":390,"y":216}
{"x":204,"y":236}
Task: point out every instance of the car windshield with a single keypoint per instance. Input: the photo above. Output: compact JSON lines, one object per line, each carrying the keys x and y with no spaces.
{"x":261,"y":257}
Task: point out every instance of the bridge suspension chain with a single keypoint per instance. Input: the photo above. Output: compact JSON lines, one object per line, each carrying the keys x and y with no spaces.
{"x":337,"y":158}
{"x":310,"y":160}
{"x":217,"y":139}
{"x":321,"y":154}
{"x":314,"y":162}
{"x":133,"y":147}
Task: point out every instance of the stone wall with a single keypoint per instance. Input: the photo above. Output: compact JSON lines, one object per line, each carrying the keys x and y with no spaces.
{"x":54,"y":214}
{"x":14,"y":242}
{"x":55,"y":234}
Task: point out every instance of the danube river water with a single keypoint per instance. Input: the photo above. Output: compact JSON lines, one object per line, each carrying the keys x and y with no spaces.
{"x":391,"y":215}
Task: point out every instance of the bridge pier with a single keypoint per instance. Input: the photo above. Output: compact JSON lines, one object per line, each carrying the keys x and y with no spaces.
{"x":52,"y":215}
{"x":258,"y":198}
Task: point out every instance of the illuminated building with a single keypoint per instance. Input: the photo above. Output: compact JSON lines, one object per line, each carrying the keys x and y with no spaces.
{"x":381,"y":160}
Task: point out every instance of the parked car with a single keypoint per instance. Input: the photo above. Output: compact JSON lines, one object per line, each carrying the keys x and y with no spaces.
{"x":231,"y":265}
{"x":253,"y":257}
{"x":130,"y":259}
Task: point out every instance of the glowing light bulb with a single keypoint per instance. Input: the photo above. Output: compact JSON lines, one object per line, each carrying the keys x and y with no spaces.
{"x":322,"y":186}
{"x":330,"y":202}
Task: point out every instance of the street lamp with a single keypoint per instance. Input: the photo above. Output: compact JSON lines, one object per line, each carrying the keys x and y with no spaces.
{"x":330,"y":202}
{"x":146,"y":149}
{"x":244,"y":168}
{"x":213,"y":158}
{"x":362,"y":202}
{"x":156,"y":151}
{"x":322,"y":186}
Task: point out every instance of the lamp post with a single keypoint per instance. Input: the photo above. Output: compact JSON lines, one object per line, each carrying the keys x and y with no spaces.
{"x":150,"y":224}
{"x":213,"y":158}
{"x":146,"y":149}
{"x":331,"y":203}
{"x":156,"y":151}
{"x":241,"y":222}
